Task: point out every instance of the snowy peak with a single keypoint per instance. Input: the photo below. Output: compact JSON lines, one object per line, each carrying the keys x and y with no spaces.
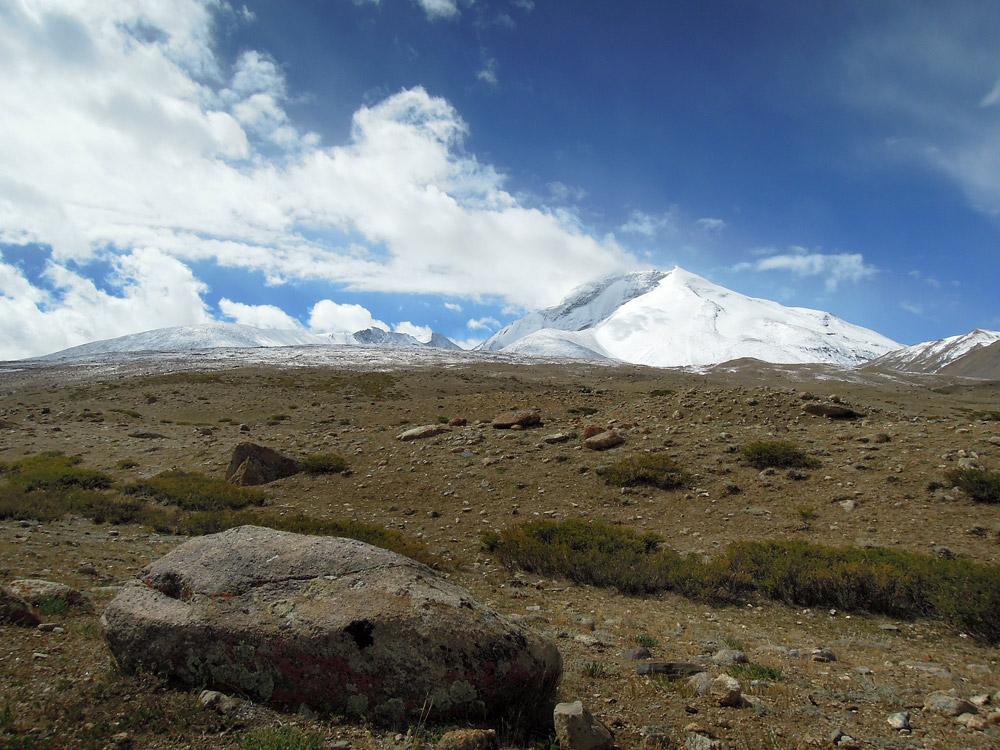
{"x":935,"y":356}
{"x":237,"y":336}
{"x":678,"y":319}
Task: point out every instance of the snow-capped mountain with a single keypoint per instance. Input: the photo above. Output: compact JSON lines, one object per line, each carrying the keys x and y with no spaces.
{"x":677,"y":318}
{"x":944,"y":355}
{"x":237,"y":336}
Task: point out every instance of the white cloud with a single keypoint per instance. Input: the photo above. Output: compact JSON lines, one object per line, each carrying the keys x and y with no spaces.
{"x":489,"y":324}
{"x":439,"y":8}
{"x":911,"y":308}
{"x":563,"y":193}
{"x":469,"y":344}
{"x":327,"y":315}
{"x":710,"y":225}
{"x":488,"y":73}
{"x":151,"y":290}
{"x":258,"y":316}
{"x":835,"y":268}
{"x":453,"y":306}
{"x":420,"y":333}
{"x":650,"y":225}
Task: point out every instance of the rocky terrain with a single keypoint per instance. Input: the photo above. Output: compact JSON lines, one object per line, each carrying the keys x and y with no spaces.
{"x":824,"y":678}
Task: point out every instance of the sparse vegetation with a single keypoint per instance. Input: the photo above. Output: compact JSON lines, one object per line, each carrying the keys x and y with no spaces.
{"x":52,"y":471}
{"x":595,"y":670}
{"x":979,"y":484}
{"x":583,"y":411}
{"x":645,"y":640}
{"x":777,"y":454}
{"x":652,"y":469}
{"x":662,"y":392}
{"x":280,"y":738}
{"x":750,"y":672}
{"x":900,"y":584}
{"x":323,"y":463}
{"x":190,"y":490}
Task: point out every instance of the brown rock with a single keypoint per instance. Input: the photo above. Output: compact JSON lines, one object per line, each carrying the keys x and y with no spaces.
{"x":424,"y":431}
{"x":336,"y":624}
{"x":16,"y":611}
{"x":603,"y":441}
{"x":520,"y":418}
{"x":254,"y":464}
{"x":590,"y":430}
{"x":457,"y":422}
{"x":35,"y":591}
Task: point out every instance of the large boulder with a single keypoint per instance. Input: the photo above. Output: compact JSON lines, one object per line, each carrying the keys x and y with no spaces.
{"x":254,"y":464}
{"x":335,"y":624}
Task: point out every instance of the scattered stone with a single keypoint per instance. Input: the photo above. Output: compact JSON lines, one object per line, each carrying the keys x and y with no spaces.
{"x":49,"y":627}
{"x":636,"y":654}
{"x":457,"y":422}
{"x":87,"y":569}
{"x":603,"y":441}
{"x":731,"y":488}
{"x":995,"y":440}
{"x":807,"y":396}
{"x":701,"y":683}
{"x":424,"y":431}
{"x":35,"y":591}
{"x":559,"y":437}
{"x":727,"y":691}
{"x":254,"y":464}
{"x":975,"y":722}
{"x":672,"y":669}
{"x":15,"y":611}
{"x":655,"y":738}
{"x":881,"y":437}
{"x":511,"y":418}
{"x":727,"y":657}
{"x":469,"y":739}
{"x":590,"y":430}
{"x":796,"y":475}
{"x":288,"y":618}
{"x":980,"y":700}
{"x":831,"y":411}
{"x":147,"y":436}
{"x":219,"y":702}
{"x":577,"y":729}
{"x":947,"y":703}
{"x":822,"y":655}
{"x":697,"y":741}
{"x":899,"y":720}
{"x":845,"y":741}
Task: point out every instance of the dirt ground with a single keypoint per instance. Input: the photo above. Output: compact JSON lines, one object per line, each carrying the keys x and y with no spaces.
{"x":62,"y":689}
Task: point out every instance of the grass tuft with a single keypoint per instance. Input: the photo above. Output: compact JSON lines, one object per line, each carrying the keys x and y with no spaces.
{"x":52,"y":471}
{"x":280,"y":738}
{"x":323,"y":463}
{"x":777,"y":454}
{"x":193,"y":491}
{"x":980,"y":485}
{"x":654,"y":470}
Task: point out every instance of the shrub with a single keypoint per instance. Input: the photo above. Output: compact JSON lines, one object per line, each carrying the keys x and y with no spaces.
{"x":755,"y":672}
{"x":595,"y":670}
{"x":52,"y":605}
{"x":645,"y":640}
{"x":323,"y":463}
{"x":980,"y":485}
{"x":662,"y":392}
{"x":881,"y":581}
{"x":280,"y":738}
{"x":653,"y":469}
{"x":193,"y":491}
{"x":52,"y":470}
{"x":777,"y":454}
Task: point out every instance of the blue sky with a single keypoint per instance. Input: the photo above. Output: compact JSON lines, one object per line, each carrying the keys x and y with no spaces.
{"x":451,"y":164}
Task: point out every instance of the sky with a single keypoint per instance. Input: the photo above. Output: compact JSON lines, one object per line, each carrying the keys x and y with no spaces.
{"x":453,"y":164}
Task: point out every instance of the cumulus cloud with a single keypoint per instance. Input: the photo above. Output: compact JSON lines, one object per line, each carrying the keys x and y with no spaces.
{"x":420,"y":333}
{"x":148,"y":290}
{"x":710,"y":225}
{"x":650,"y":225}
{"x":453,"y":306}
{"x":258,"y":316}
{"x":488,"y":73}
{"x":127,"y":130}
{"x":489,"y":324}
{"x":327,"y":315}
{"x":834,"y":268}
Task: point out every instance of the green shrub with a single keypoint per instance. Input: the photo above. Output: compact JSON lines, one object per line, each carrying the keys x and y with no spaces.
{"x":52,"y":470}
{"x":595,"y":670}
{"x":653,"y":469}
{"x":755,"y":672}
{"x":966,"y":595}
{"x":777,"y":454}
{"x":645,"y":640}
{"x":323,"y":463}
{"x":193,"y":491}
{"x":280,"y":738}
{"x":52,"y":605}
{"x":662,"y":392}
{"x":980,"y":485}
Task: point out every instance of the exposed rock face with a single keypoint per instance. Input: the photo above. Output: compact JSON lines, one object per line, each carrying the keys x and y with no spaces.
{"x":831,"y":411}
{"x":35,"y":591}
{"x":603,"y":441}
{"x":335,"y":624}
{"x":254,"y":464}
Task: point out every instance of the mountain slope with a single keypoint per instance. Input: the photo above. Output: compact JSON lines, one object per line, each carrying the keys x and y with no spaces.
{"x":975,"y":354}
{"x":237,"y":336}
{"x":677,"y":319}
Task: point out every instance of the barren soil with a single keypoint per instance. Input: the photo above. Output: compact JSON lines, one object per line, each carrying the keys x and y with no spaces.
{"x":62,"y":689}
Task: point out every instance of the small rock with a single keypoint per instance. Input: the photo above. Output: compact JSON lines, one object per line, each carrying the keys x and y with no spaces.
{"x":253,"y":464}
{"x":47,"y":627}
{"x":457,"y":422}
{"x":34,"y":591}
{"x":559,"y":437}
{"x":576,"y":729}
{"x":122,"y":739}
{"x":636,"y":654}
{"x":590,"y":430}
{"x":947,"y":703}
{"x":424,"y":431}
{"x":727,"y":691}
{"x":520,"y":418}
{"x":980,"y":700}
{"x":697,"y":741}
{"x":16,"y":611}
{"x":219,"y":702}
{"x":899,"y":720}
{"x":701,"y":683}
{"x":731,"y":488}
{"x":469,"y":739}
{"x":975,"y":722}
{"x":831,"y":411}
{"x":727,"y":657}
{"x":604,"y":441}
{"x":671,"y":669}
{"x":822,"y":655}
{"x":655,"y":738}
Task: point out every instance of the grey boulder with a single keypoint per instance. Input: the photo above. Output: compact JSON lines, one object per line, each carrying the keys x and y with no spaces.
{"x":336,"y":624}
